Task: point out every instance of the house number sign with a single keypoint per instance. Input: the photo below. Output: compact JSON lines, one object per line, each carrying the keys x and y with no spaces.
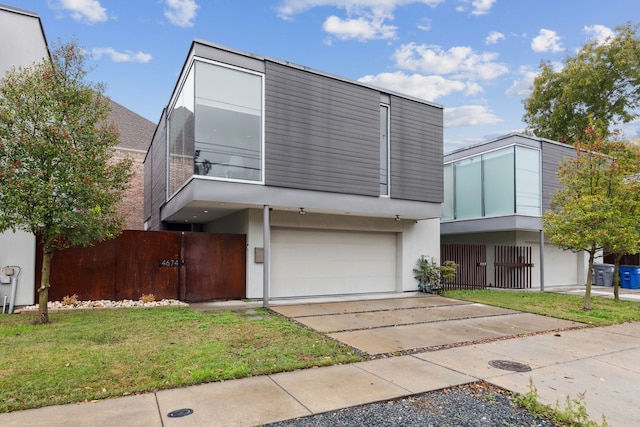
{"x":169,"y":263}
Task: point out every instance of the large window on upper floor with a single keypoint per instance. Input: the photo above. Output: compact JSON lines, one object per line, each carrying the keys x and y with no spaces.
{"x":496,"y":183}
{"x":215,"y":126}
{"x":384,"y":150}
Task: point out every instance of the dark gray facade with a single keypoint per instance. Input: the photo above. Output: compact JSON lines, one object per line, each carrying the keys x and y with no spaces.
{"x":321,"y":134}
{"x":321,"y":138}
{"x":552,"y":156}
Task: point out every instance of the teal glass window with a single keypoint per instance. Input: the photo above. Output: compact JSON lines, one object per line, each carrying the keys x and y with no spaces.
{"x":447,"y":206}
{"x":501,"y":182}
{"x":498,"y":182}
{"x":468,"y":188}
{"x":528,"y":191}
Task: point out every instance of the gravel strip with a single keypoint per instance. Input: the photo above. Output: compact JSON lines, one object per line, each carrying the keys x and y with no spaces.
{"x":85,"y":305}
{"x":471,"y":405}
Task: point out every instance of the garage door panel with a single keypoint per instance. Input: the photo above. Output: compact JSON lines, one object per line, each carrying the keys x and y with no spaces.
{"x":321,"y":262}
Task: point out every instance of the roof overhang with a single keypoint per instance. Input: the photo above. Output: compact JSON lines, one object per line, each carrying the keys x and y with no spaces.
{"x":487,"y":225}
{"x":204,"y":200}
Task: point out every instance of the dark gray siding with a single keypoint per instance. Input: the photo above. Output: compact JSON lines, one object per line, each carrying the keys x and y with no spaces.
{"x":228,"y":56}
{"x":320,"y":133}
{"x":552,"y":156}
{"x":416,"y":151}
{"x":155,"y":165}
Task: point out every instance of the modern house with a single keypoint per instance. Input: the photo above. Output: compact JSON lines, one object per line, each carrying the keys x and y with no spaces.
{"x":23,"y":42}
{"x":495,"y":193}
{"x":336,"y":185}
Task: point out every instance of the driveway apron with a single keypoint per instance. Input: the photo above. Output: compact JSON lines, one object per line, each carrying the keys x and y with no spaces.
{"x":419,"y":322}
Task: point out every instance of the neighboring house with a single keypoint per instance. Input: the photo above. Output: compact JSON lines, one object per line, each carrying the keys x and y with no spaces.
{"x":343,"y":180}
{"x":495,"y":194}
{"x":135,"y":135}
{"x":23,"y":42}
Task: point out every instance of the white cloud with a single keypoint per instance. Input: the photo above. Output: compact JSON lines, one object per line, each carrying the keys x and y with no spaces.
{"x":89,"y":11}
{"x":522,"y":87}
{"x":546,"y":41}
{"x":479,"y":7}
{"x":600,"y":33}
{"x":181,"y":12}
{"x":359,"y":28}
{"x":458,"y":61}
{"x":429,"y":88}
{"x":425,"y":25}
{"x":126,"y":56}
{"x":289,"y":8}
{"x":469,"y":115}
{"x":494,"y":37}
{"x":364,"y":20}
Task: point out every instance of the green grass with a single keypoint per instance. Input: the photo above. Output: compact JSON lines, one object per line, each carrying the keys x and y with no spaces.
{"x":88,"y":355}
{"x":605,"y":311}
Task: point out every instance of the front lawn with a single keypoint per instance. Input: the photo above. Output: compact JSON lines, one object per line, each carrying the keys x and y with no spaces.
{"x":605,"y":311}
{"x":95,"y":354}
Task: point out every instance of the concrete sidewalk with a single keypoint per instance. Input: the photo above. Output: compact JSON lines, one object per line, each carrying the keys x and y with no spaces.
{"x":599,"y":362}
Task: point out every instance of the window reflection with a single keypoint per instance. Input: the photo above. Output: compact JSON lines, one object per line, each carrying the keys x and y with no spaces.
{"x":500,"y":182}
{"x":215,"y":126}
{"x":228,"y":123}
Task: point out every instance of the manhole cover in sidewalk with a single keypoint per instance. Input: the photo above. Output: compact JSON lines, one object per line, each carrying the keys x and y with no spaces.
{"x":509,"y":365}
{"x":178,"y":413}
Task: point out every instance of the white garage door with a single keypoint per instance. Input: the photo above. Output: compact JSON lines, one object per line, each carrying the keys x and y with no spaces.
{"x":324,"y":262}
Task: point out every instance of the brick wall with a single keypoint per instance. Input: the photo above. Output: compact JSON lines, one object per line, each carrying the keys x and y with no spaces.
{"x":133,"y":201}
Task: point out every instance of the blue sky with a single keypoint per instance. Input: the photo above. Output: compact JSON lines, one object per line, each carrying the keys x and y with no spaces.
{"x":477,"y":58}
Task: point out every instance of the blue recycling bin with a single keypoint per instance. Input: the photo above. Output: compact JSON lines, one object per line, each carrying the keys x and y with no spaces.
{"x":629,"y":276}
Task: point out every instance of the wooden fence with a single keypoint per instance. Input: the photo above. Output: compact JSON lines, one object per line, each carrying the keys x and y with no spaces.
{"x":179,"y":265}
{"x":472,"y":263}
{"x":513,"y":267}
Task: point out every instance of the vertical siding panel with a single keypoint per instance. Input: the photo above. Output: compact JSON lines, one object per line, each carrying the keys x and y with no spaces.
{"x":552,"y":156}
{"x":321,"y":133}
{"x":416,"y":151}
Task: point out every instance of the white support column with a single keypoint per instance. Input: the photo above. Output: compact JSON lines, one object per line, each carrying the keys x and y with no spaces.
{"x":267,"y":256}
{"x":541,"y":260}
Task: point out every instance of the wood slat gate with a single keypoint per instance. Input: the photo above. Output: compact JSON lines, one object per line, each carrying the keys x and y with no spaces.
{"x":472,"y":263}
{"x":512,"y":267}
{"x":177,"y":265}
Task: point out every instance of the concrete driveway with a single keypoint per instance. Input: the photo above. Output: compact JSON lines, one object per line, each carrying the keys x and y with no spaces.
{"x":416,"y":323}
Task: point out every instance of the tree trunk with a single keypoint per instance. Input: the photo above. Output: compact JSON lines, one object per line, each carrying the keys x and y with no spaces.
{"x":587,"y":292}
{"x":43,"y":291}
{"x":616,"y":278}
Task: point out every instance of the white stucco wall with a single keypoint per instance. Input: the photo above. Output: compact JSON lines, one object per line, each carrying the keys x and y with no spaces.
{"x":19,"y":249}
{"x":421,"y":238}
{"x":413,"y":239}
{"x":561,"y":268}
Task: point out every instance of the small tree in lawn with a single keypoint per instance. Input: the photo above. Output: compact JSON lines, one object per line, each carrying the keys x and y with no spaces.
{"x":58,"y":177}
{"x":625,"y":238}
{"x":587,"y":211}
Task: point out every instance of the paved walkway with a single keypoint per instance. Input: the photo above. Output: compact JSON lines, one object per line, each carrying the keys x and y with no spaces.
{"x":600,"y":363}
